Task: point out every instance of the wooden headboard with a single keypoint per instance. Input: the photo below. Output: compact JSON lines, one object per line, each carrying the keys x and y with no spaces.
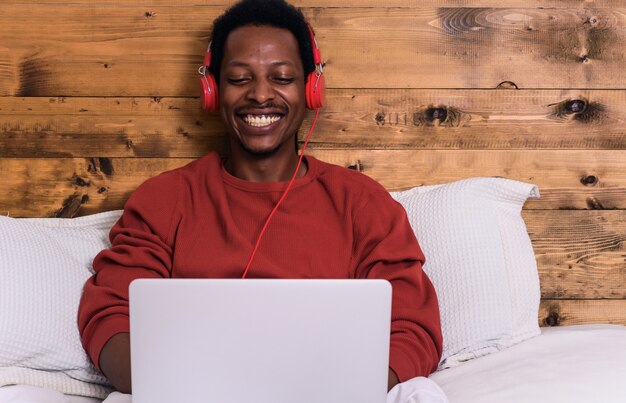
{"x":95,"y":97}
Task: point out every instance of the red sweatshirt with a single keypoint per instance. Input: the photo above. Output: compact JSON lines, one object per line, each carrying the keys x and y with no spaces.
{"x":200,"y":222}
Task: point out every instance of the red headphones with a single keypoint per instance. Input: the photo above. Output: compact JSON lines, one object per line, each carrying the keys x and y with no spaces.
{"x":315,"y":86}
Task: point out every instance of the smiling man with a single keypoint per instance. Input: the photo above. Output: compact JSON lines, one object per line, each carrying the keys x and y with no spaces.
{"x":202,"y":220}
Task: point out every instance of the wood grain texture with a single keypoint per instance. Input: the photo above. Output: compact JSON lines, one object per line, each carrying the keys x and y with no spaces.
{"x":579,"y":312}
{"x":108,"y":127}
{"x":474,"y":119}
{"x":364,"y":119}
{"x":580,"y":254}
{"x":363,"y":3}
{"x":61,"y":187}
{"x":91,"y":50}
{"x":567,"y":179}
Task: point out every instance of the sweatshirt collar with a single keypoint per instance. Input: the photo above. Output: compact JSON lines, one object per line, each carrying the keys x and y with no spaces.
{"x":248,"y":186}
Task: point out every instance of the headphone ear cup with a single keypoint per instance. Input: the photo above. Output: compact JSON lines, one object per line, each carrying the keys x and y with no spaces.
{"x":210,"y":98}
{"x":315,"y":91}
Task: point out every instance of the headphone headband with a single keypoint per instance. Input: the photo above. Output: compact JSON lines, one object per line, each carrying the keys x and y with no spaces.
{"x":317,"y":57}
{"x":207,"y":56}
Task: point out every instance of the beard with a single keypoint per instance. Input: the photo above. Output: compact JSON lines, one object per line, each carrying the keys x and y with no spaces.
{"x":261,"y":154}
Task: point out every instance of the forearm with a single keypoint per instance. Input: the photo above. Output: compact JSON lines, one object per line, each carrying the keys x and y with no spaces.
{"x":115,"y":362}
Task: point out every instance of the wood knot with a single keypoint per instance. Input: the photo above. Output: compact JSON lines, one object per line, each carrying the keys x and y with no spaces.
{"x":584,"y":59}
{"x":380,"y":118}
{"x":71,"y":205}
{"x":104,"y":165}
{"x":581,"y":110}
{"x":592,"y":20}
{"x":80,"y":182}
{"x":106,"y":65}
{"x":182,"y":132}
{"x":102,"y":190}
{"x":575,"y":106}
{"x":357,"y":166}
{"x":552,"y":319}
{"x":149,"y":14}
{"x":594,"y":204}
{"x":507,"y":85}
{"x":440,"y":114}
{"x":589,"y":180}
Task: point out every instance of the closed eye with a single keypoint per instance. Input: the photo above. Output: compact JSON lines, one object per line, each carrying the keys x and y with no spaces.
{"x":284,"y":80}
{"x":238,"y":80}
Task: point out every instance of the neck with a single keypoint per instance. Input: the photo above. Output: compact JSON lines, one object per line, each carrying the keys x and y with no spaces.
{"x":271,"y":168}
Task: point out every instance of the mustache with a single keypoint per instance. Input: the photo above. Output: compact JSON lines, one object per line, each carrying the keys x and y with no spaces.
{"x":256,"y":107}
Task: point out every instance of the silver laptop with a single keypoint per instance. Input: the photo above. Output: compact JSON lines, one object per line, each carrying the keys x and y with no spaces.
{"x":259,"y":341}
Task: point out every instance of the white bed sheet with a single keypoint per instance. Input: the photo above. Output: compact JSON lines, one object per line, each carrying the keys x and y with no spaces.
{"x":35,"y":394}
{"x":585,"y":363}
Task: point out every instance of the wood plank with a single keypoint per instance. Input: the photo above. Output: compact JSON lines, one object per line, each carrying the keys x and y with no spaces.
{"x":578,"y":312}
{"x":102,"y":50}
{"x":111,"y":127}
{"x":476,"y":47}
{"x":567,"y":179}
{"x":473,"y":119}
{"x":363,"y":3}
{"x":365,"y":119}
{"x":90,"y":50}
{"x":580,"y":254}
{"x":63,"y":187}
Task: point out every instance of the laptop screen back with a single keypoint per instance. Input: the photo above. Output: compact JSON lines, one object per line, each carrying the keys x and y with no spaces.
{"x":262,"y":341}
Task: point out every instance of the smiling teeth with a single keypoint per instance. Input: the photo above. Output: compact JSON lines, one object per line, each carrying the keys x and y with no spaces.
{"x":260,"y":121}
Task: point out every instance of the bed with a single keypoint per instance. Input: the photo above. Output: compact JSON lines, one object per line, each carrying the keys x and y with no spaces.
{"x":438,"y":101}
{"x":580,"y":363}
{"x":481,"y":263}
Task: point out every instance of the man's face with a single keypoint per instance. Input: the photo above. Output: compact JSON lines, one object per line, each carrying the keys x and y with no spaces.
{"x":262,"y":89}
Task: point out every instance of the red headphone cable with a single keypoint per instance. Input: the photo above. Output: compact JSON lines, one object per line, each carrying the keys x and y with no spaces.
{"x":267,"y":221}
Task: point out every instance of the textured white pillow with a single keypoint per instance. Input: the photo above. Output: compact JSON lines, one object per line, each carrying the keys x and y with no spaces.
{"x":44,"y":264}
{"x":480,"y":260}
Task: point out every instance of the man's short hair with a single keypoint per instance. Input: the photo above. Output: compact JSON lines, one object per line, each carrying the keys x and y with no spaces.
{"x":275,"y":13}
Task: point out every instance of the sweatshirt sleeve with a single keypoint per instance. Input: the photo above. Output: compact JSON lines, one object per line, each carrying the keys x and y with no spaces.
{"x":141,"y":247}
{"x":385,"y":248}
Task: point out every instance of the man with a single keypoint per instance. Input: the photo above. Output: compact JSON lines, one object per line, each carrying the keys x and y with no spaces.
{"x":202,"y":220}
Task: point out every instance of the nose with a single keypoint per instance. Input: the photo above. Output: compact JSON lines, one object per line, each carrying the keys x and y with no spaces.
{"x":261,"y":91}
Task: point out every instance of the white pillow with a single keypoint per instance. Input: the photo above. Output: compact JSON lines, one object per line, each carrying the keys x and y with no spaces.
{"x":480,"y":260}
{"x":44,"y":264}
